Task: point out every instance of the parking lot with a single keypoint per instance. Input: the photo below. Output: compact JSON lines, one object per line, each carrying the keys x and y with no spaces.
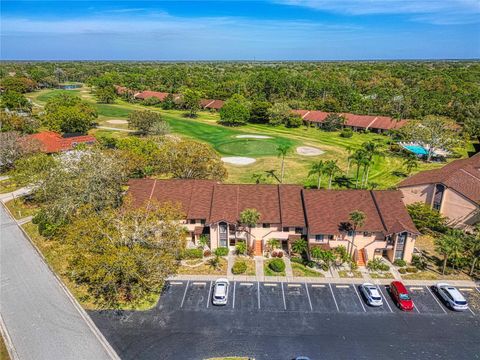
{"x":303,"y":297}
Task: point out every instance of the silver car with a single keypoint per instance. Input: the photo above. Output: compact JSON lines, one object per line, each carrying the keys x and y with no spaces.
{"x":220,"y":292}
{"x":451,"y":296}
{"x":371,"y":294}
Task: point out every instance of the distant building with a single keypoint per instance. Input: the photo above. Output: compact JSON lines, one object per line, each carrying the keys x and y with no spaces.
{"x":52,"y":142}
{"x":287,"y":213}
{"x":453,"y":190}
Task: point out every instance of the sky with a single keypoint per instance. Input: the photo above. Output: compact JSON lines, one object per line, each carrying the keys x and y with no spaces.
{"x":240,"y":30}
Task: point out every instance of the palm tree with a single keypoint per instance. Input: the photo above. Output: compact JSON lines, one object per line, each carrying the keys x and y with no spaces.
{"x":371,"y":149}
{"x":449,"y":245}
{"x":358,"y":157}
{"x":349,"y":151}
{"x":472,"y":247}
{"x":249,"y":218}
{"x":282,"y":151}
{"x":317,"y":168}
{"x":273,"y":244}
{"x":258,"y":178}
{"x":299,"y":246}
{"x":357,"y":219}
{"x":410,"y":163}
{"x":328,"y":257}
{"x":331,"y":168}
{"x":272,"y":174}
{"x":316,"y":253}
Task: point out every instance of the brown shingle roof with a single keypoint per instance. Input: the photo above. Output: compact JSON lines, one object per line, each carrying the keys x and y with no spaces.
{"x":291,"y":205}
{"x":392,"y":212}
{"x":148,"y":94}
{"x":463,"y":176}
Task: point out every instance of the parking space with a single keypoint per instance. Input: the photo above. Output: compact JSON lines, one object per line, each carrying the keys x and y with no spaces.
{"x":172,"y":294}
{"x":272,"y":297}
{"x":321,"y":298}
{"x":297,"y":297}
{"x":196,"y":295}
{"x":425,"y":301}
{"x":472,"y":295}
{"x":385,"y":308}
{"x":347,"y":298}
{"x":246,"y":296}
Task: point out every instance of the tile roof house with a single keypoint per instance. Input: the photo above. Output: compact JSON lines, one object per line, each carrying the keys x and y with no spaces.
{"x":212,"y":104}
{"x":149,"y":94}
{"x":454,"y":190}
{"x":52,"y":142}
{"x":287,"y":213}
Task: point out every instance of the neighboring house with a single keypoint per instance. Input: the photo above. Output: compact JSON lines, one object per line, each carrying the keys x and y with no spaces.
{"x":149,"y":94}
{"x":52,"y":142}
{"x":211,"y":104}
{"x":373,"y":123}
{"x":287,"y":213}
{"x":454,"y":190}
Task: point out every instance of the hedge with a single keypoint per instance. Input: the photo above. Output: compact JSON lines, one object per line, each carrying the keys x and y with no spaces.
{"x":239,"y":267}
{"x":193,"y":254}
{"x":221,"y":251}
{"x":277,"y":265}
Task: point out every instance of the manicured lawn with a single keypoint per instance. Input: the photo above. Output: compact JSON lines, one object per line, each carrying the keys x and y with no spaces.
{"x":350,"y":274}
{"x":204,"y":269}
{"x":47,"y":94}
{"x":21,"y":208}
{"x":269,"y":272}
{"x":56,"y":255}
{"x":7,"y":186}
{"x":302,"y":271}
{"x":112,"y":110}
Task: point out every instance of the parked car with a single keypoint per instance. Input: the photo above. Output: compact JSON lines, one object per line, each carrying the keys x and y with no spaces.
{"x":451,"y":296}
{"x":371,"y":294}
{"x":400,"y":296}
{"x":220,"y":292}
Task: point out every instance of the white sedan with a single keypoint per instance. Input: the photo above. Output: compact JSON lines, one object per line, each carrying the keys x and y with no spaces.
{"x":371,"y":294}
{"x":220,"y":292}
{"x":451,"y":296}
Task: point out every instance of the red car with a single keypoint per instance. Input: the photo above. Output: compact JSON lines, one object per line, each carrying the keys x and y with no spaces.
{"x":400,"y":295}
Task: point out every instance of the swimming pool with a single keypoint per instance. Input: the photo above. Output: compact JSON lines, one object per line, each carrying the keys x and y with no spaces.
{"x":416,"y":149}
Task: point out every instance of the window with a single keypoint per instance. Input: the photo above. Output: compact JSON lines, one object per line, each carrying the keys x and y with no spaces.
{"x":192,"y":221}
{"x":266,"y":225}
{"x":202,"y":222}
{"x":319,"y":238}
{"x":286,"y":229}
{"x":366,"y":233}
{"x":298,"y":230}
{"x":350,"y":233}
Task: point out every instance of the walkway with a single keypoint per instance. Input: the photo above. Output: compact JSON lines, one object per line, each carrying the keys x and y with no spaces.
{"x":14,"y":194}
{"x":40,"y":316}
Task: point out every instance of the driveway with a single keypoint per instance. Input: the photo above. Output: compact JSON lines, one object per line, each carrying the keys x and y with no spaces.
{"x":42,"y":321}
{"x":268,"y":320}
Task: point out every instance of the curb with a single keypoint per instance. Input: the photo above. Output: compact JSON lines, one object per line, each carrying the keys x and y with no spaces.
{"x":108,"y":348}
{"x":12,"y":352}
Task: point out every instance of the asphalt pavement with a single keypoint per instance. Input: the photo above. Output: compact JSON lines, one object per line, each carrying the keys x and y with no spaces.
{"x":269,"y":320}
{"x":42,"y":321}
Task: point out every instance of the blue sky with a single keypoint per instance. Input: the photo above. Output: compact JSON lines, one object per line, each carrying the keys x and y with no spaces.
{"x":240,"y":30}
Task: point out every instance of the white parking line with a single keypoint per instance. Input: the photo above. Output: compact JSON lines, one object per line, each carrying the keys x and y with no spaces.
{"x":308,"y":296}
{"x":258,"y":294}
{"x":359,"y":298}
{"x":478,"y":289}
{"x":233,"y":303}
{"x":416,"y":288}
{"x":246,"y":284}
{"x":294,"y":285}
{"x":438,"y":302}
{"x":185,"y":293}
{"x":470,"y":310}
{"x":176,"y":283}
{"x":342,"y":286}
{"x":385,"y":299}
{"x":318,"y":285}
{"x":466,"y":289}
{"x":209,"y":293}
{"x":269,"y":284}
{"x":415,"y":306}
{"x":330,"y":286}
{"x":284,"y":302}
{"x":199,"y":283}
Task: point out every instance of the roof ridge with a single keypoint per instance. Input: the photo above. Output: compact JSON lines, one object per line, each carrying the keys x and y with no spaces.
{"x":211,"y":202}
{"x":378,"y":210}
{"x":280,"y":203}
{"x":468,"y":173}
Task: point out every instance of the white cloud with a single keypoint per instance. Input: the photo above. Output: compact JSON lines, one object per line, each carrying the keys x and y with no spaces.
{"x":440,"y":12}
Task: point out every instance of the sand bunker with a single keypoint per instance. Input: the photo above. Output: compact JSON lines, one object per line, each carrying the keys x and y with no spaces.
{"x":117,"y":122}
{"x":253,"y":137}
{"x":309,"y":151}
{"x":238,"y":160}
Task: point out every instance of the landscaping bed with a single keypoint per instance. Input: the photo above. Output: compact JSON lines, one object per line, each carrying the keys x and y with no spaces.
{"x":7,"y":185}
{"x":267,"y":268}
{"x":354,"y":274}
{"x":300,"y":270}
{"x":381,"y":275}
{"x":249,"y":266}
{"x":205,"y":269}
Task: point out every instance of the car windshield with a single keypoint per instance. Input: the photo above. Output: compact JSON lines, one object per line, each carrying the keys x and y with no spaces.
{"x":219,"y":297}
{"x":461,"y":302}
{"x":404,"y":297}
{"x":376,"y":298}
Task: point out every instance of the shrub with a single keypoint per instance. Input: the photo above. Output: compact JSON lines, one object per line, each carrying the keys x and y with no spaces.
{"x":402,"y":271}
{"x":241,"y":247}
{"x":353,"y":266}
{"x":277,"y":265}
{"x":346,"y":133}
{"x":221,"y":251}
{"x":425,"y":218}
{"x":193,"y":253}
{"x":239,"y":267}
{"x":207,"y":253}
{"x":280,"y":254}
{"x":419,"y":262}
{"x":214,"y":262}
{"x":400,"y":262}
{"x":297,"y":260}
{"x":411,"y":269}
{"x":377,"y":265}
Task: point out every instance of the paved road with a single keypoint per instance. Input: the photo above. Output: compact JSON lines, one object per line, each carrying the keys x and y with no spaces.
{"x":42,"y":321}
{"x":281,"y":321}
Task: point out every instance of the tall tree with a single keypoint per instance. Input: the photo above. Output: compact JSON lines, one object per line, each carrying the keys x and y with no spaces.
{"x":249,"y":218}
{"x":331,"y":168}
{"x":13,"y":100}
{"x":235,"y":111}
{"x":259,"y":112}
{"x":333,"y":122}
{"x":282,"y":151}
{"x":317,"y":168}
{"x":410,"y":163}
{"x":472,"y":247}
{"x":191,"y":101}
{"x":279,"y":113}
{"x":147,"y":122}
{"x":357,"y":219}
{"x":359,"y":157}
{"x":449,"y":245}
